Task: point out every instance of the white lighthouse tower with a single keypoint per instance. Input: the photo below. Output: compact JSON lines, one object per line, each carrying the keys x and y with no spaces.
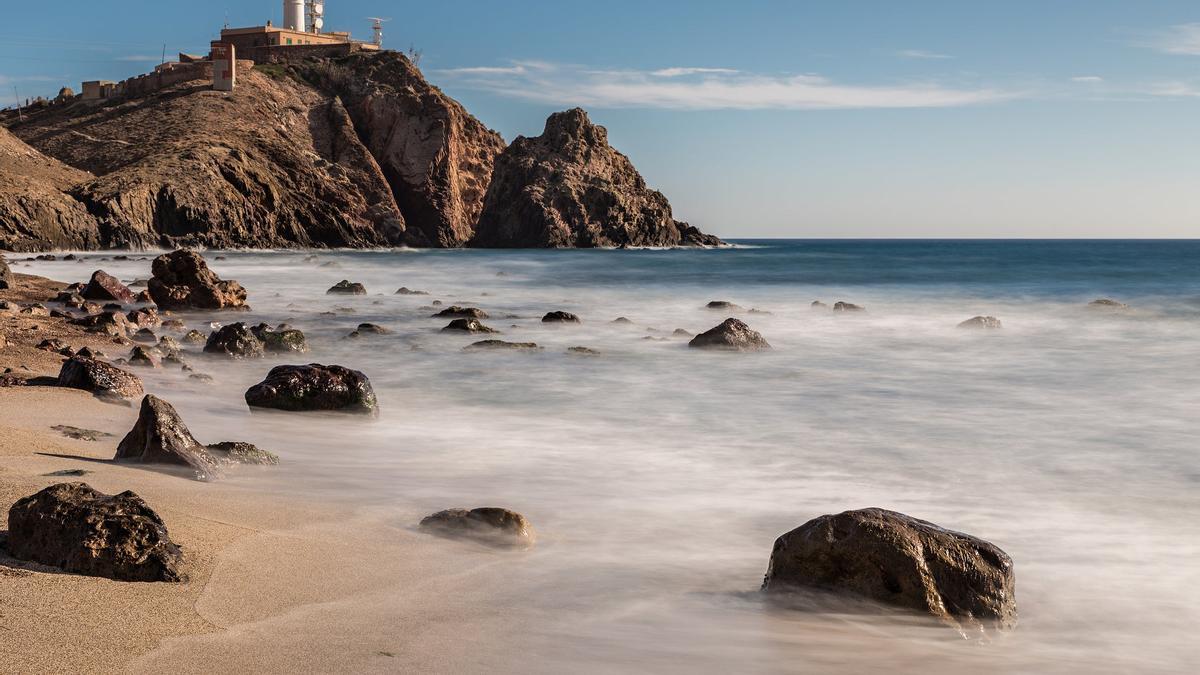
{"x":293,"y":15}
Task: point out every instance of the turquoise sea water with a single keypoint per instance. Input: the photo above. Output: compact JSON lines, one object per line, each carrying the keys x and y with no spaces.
{"x":659,"y":476}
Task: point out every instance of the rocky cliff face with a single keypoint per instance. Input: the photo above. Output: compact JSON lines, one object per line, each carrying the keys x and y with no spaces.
{"x":437,"y":158}
{"x":570,"y":188}
{"x":36,"y":213}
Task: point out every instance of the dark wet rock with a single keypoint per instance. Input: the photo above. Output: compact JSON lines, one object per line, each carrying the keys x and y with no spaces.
{"x":817,"y":304}
{"x":99,"y":378}
{"x":144,"y":358}
{"x":583,"y":351}
{"x":235,"y":341}
{"x":486,"y":345}
{"x":145,"y":317}
{"x":80,"y":434}
{"x":238,"y":452}
{"x":679,"y":332}
{"x":182,"y":280}
{"x":723,"y":306}
{"x":456,"y":312}
{"x":731,"y":335}
{"x":110,"y":323}
{"x":560,"y":317}
{"x":281,"y":340}
{"x":621,"y":320}
{"x":345,"y":287}
{"x":195,"y":337}
{"x":75,"y":528}
{"x":104,"y":286}
{"x":898,"y":560}
{"x":1107,"y":304}
{"x":840,"y":306}
{"x":365,"y":329}
{"x":113,"y":307}
{"x":161,"y":437}
{"x":467,"y":326}
{"x":176,"y":325}
{"x":89,"y":353}
{"x":408,"y":291}
{"x":145,"y":335}
{"x":312,"y":388}
{"x":488,"y":525}
{"x":139,"y":283}
{"x":985,"y":322}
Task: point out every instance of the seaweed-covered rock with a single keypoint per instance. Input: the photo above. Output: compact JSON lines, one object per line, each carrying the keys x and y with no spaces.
{"x":104,"y":286}
{"x":75,"y":528}
{"x":235,"y":341}
{"x":560,"y":317}
{"x":99,"y":378}
{"x":182,"y":280}
{"x":899,"y":560}
{"x":314,"y":387}
{"x":731,"y":335}
{"x":489,"y":525}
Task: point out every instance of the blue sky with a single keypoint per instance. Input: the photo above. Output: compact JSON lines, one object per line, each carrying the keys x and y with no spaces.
{"x":771,"y":118}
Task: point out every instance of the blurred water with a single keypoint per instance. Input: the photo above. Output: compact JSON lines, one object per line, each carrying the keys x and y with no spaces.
{"x":659,"y":476}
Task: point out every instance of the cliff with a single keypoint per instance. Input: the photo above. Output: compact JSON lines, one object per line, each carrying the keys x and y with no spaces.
{"x":569,"y":188}
{"x":357,"y":151}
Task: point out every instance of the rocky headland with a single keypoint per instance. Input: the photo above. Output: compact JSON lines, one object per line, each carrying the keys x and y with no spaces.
{"x":360,"y":151}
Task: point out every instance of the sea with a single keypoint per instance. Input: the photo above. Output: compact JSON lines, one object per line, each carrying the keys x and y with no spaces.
{"x":659,"y":476}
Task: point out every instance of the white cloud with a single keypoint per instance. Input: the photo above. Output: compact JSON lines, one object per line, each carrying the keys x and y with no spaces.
{"x":922,"y":54}
{"x":1088,"y":78}
{"x":1174,"y":89}
{"x":708,"y":89}
{"x":1181,"y":39}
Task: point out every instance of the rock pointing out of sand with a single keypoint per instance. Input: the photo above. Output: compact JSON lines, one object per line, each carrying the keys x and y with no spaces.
{"x":77,"y":529}
{"x":161,"y":437}
{"x":489,"y":525}
{"x":898,"y":560}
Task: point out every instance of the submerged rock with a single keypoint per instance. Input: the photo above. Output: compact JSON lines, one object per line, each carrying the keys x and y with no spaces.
{"x":104,"y":286}
{"x":840,"y":306}
{"x":467,"y":326}
{"x":1107,"y":304}
{"x":583,"y":351}
{"x":723,"y":306}
{"x":313,"y":388}
{"x":408,"y":291}
{"x":484,"y":345}
{"x":489,"y":525}
{"x":235,"y":341}
{"x":182,"y":280}
{"x":75,"y":528}
{"x":560,"y":317}
{"x":457,"y":312}
{"x":984,"y":322}
{"x":99,"y":378}
{"x":731,"y":335}
{"x":899,"y":560}
{"x":817,"y":304}
{"x":238,"y":452}
{"x":345,"y":287}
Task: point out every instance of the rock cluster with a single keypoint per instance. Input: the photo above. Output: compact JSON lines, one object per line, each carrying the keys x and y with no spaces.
{"x":182,"y":280}
{"x":75,"y":528}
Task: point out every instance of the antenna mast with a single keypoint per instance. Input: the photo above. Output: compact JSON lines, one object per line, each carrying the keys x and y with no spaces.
{"x":377,"y":26}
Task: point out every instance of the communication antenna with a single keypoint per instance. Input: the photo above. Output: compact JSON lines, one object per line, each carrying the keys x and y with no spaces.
{"x":377,"y":26}
{"x":316,"y":15}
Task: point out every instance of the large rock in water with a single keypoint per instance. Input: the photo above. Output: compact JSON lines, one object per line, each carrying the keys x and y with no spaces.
{"x":99,"y":378}
{"x":898,"y":560}
{"x":436,"y":157}
{"x":489,"y":525}
{"x":235,"y":341}
{"x":161,"y":437}
{"x":732,"y":335}
{"x":182,"y":280}
{"x":569,"y":188}
{"x":312,"y":388}
{"x":73,"y":527}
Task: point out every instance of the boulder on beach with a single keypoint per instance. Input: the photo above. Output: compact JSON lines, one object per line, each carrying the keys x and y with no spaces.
{"x":161,"y":437}
{"x":467,"y":326}
{"x":731,"y":335}
{"x":235,"y":341}
{"x":488,"y":525}
{"x":560,"y":317}
{"x":486,"y":345}
{"x":182,"y":280}
{"x":99,"y":378}
{"x":314,"y":388}
{"x":981,"y":322}
{"x":456,"y":312}
{"x":840,"y":306}
{"x":77,"y":529}
{"x":104,"y":286}
{"x":895,"y":559}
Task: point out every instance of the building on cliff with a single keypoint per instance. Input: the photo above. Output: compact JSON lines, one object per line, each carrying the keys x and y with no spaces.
{"x":301,"y":35}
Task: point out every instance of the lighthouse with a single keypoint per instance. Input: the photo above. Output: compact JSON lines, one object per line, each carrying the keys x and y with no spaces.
{"x":293,"y":15}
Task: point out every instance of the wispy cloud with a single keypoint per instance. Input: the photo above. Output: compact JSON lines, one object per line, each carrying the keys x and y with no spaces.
{"x":1180,"y":39}
{"x":1174,"y":89}
{"x":922,"y":54}
{"x":707,"y":89}
{"x":138,"y":58}
{"x":1088,"y":78}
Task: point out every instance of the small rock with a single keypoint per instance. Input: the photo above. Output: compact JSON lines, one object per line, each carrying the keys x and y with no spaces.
{"x":467,"y":326}
{"x":145,"y":335}
{"x":840,"y":306}
{"x":723,"y":305}
{"x":621,"y":320}
{"x":986,"y":322}
{"x":195,"y":337}
{"x":489,"y":525}
{"x":817,"y":304}
{"x":731,"y":335}
{"x":408,"y":291}
{"x":461,"y":313}
{"x":679,"y":332}
{"x":484,"y":345}
{"x":560,"y":317}
{"x":345,"y":287}
{"x":235,"y":341}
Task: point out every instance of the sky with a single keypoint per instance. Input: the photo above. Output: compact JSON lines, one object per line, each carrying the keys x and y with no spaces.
{"x":764,"y":118}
